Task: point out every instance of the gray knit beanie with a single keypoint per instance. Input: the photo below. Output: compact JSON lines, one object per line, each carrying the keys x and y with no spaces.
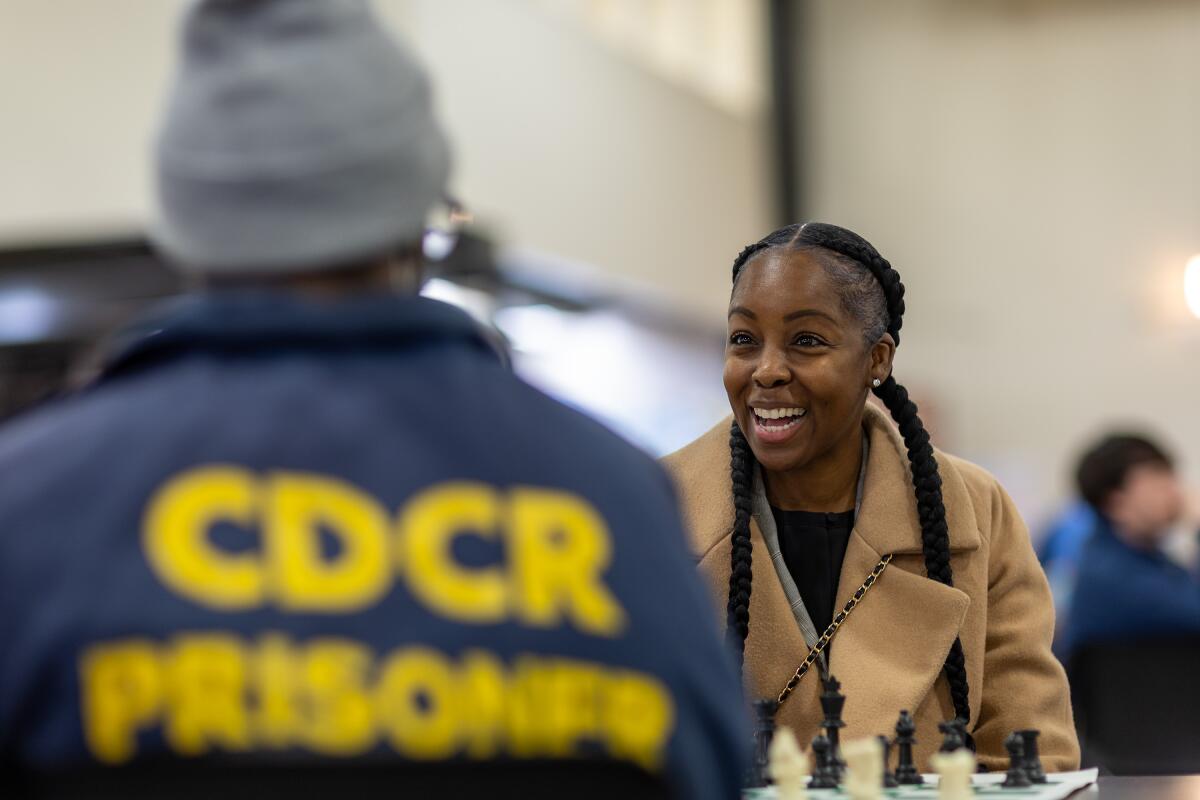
{"x":298,"y":137}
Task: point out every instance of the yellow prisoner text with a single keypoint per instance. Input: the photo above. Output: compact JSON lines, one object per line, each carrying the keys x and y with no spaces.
{"x":556,"y":548}
{"x":211,"y":692}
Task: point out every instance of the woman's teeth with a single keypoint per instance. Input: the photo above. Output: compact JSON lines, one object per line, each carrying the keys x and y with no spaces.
{"x":777,"y":413}
{"x":778,"y":419}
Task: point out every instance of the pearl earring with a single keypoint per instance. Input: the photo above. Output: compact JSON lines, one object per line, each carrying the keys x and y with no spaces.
{"x":875,"y":383}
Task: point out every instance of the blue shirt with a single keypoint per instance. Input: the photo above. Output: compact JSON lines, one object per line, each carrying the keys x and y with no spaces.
{"x":1059,"y":552}
{"x":346,"y":530}
{"x":1123,"y":592}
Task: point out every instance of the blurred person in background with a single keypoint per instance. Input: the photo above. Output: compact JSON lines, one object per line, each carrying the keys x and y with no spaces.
{"x":1059,"y":551}
{"x":1126,"y":584}
{"x":811,"y":516}
{"x":306,"y":516}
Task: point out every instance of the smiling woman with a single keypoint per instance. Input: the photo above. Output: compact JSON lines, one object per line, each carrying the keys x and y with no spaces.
{"x":809,"y":478}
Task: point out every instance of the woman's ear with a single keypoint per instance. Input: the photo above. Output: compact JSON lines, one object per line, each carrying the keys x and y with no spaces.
{"x":882,"y":353}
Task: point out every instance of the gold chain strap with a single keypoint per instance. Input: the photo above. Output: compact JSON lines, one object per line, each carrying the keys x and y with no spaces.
{"x":816,"y":649}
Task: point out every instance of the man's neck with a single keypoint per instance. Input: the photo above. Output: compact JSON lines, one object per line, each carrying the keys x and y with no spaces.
{"x":391,"y":276}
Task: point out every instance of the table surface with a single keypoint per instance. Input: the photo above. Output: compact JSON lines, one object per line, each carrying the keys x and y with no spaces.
{"x":1156,"y":787}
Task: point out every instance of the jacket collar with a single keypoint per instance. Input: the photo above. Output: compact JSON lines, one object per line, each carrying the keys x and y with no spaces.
{"x":887,"y":520}
{"x":259,"y":320}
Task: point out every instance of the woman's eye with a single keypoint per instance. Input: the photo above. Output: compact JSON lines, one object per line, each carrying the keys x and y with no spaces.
{"x":808,"y":340}
{"x":741,"y":339}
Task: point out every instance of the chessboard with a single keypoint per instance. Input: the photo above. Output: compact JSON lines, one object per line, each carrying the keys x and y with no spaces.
{"x":986,"y":786}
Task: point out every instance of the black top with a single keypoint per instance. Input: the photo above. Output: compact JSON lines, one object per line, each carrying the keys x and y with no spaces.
{"x":813,"y":545}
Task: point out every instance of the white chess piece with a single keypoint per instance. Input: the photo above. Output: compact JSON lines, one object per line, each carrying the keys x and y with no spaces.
{"x":788,"y":765}
{"x":864,"y":769}
{"x":954,"y":774}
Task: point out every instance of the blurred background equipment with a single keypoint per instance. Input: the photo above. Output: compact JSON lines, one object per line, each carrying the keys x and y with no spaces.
{"x":58,"y":300}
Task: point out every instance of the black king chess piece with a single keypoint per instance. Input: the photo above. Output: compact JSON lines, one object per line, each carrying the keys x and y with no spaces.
{"x":907,"y":773}
{"x":1016,"y":777}
{"x":758,"y":774}
{"x":832,"y":702}
{"x":1033,"y":759}
{"x":825,"y":775}
{"x":889,"y":778}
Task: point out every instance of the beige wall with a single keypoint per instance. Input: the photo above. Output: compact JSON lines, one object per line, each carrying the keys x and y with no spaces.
{"x":1033,"y":170}
{"x":563,"y":145}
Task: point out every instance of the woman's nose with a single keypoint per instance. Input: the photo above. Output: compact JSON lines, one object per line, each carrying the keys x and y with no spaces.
{"x":771,"y":371}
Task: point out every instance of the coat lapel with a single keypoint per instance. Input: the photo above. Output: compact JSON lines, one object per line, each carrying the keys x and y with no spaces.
{"x":900,"y":633}
{"x":898,"y":637}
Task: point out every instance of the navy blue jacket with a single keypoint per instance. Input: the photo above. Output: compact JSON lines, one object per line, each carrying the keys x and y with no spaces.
{"x":1122,"y":592}
{"x":165,"y":571}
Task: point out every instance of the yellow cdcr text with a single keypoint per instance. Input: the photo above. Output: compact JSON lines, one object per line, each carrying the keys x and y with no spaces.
{"x":556,"y":548}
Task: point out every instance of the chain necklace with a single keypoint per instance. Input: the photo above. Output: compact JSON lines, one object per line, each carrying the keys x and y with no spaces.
{"x":822,"y":642}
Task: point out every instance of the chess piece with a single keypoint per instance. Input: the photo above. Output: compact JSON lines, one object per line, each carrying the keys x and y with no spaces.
{"x":952,"y":738}
{"x":954,"y":774}
{"x":1033,"y":759}
{"x":825,"y":776}
{"x":764,"y":730}
{"x":907,"y":773}
{"x":1016,"y":777}
{"x":864,"y":769}
{"x":789,"y":766}
{"x":832,"y":702}
{"x":889,"y":779}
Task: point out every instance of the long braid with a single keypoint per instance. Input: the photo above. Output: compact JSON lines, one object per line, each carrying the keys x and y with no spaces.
{"x":926,"y":480}
{"x":741,"y":470}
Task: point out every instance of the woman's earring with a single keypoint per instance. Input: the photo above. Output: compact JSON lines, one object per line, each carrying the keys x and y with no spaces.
{"x":875,"y":383}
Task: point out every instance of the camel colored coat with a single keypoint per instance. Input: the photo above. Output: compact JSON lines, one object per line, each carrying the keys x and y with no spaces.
{"x":889,"y":652}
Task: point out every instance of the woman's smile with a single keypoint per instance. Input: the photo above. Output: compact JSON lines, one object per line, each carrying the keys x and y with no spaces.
{"x":777,"y":425}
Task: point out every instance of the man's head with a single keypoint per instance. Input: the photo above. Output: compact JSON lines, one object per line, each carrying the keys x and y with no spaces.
{"x":298,"y":143}
{"x":1132,"y":482}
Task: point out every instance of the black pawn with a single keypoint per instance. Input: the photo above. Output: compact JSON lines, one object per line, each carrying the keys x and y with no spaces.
{"x":758,"y":774}
{"x":889,"y":780}
{"x":1033,"y":759}
{"x":832,"y":702}
{"x":951,"y":736}
{"x":906,"y":768}
{"x":825,"y":776}
{"x":1016,"y":777}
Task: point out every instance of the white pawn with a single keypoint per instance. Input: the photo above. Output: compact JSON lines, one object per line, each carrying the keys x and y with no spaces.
{"x":788,"y":765}
{"x":954,"y":774}
{"x":864,"y":768}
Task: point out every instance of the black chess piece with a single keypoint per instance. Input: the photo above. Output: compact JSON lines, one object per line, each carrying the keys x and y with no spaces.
{"x":758,"y":774}
{"x":889,"y":779}
{"x":825,"y":775}
{"x":951,"y":736}
{"x":832,"y":702}
{"x":1033,"y":759}
{"x":907,"y":773}
{"x":1016,"y":777}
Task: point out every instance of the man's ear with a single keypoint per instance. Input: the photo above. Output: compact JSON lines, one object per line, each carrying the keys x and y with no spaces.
{"x":407,"y":270}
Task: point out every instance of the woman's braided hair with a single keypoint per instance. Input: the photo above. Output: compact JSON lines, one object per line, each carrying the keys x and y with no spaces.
{"x":851,"y":254}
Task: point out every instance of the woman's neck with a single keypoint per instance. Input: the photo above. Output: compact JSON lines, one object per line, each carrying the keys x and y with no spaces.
{"x":829,"y":483}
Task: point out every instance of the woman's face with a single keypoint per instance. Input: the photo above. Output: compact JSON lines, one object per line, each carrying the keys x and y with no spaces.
{"x":797,"y":369}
